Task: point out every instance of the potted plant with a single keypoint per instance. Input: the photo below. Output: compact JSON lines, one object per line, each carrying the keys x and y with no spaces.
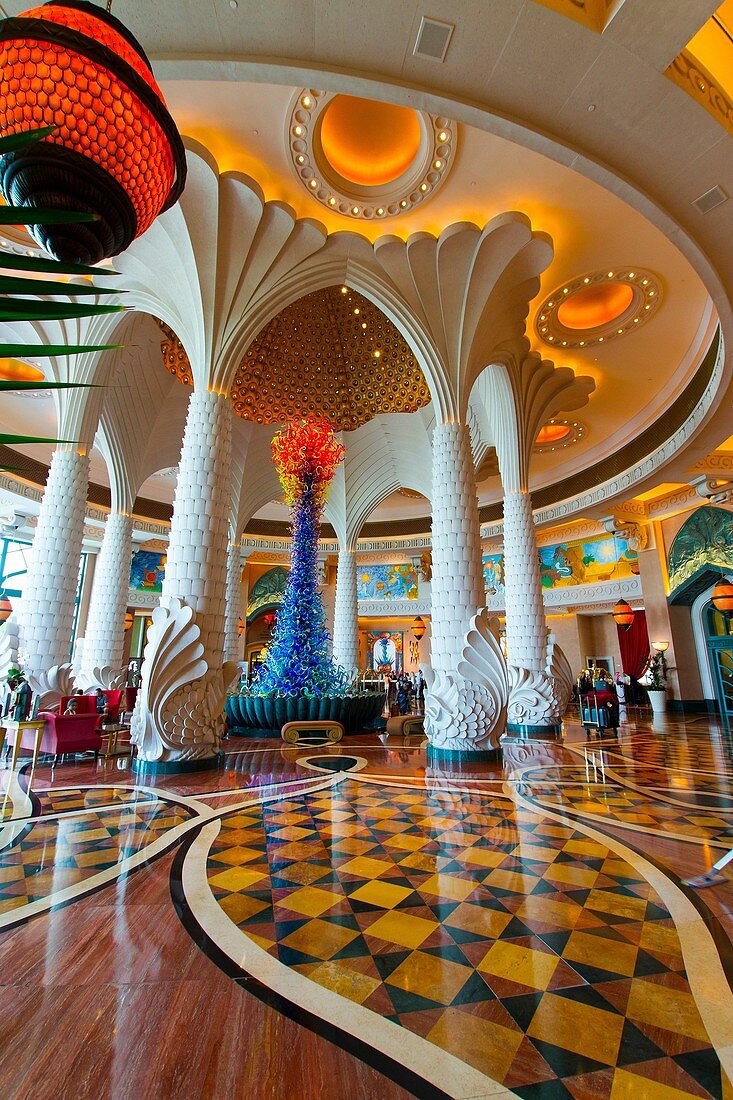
{"x":656,"y":681}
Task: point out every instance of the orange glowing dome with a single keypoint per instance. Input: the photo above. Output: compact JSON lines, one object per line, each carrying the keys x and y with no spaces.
{"x":369,"y":143}
{"x":594,"y":306}
{"x":13,"y":370}
{"x":552,"y":433}
{"x":114,"y":150}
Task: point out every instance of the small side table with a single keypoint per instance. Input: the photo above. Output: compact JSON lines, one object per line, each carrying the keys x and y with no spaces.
{"x":19,"y":728}
{"x":112,"y":733}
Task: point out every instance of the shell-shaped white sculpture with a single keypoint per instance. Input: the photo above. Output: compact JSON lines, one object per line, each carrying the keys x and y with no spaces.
{"x":466,"y":710}
{"x":179,"y":712}
{"x":558,"y":668}
{"x":9,"y":641}
{"x":51,"y":686}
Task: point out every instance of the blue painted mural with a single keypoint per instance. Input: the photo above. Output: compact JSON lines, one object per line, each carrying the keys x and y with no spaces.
{"x":579,"y":561}
{"x":387,"y":582}
{"x":147,"y":570}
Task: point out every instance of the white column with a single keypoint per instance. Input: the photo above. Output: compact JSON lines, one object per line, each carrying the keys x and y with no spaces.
{"x":346,"y":613}
{"x":457,"y":589}
{"x":104,"y":637}
{"x":46,"y":612}
{"x":179,"y":717}
{"x":232,"y":643}
{"x":526,"y":628}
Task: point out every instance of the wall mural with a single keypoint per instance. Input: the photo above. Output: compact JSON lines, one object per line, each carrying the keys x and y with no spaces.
{"x":387,"y":582}
{"x":385,"y":650}
{"x":147,"y":570}
{"x":705,"y":539}
{"x":267,"y":591}
{"x":579,"y":561}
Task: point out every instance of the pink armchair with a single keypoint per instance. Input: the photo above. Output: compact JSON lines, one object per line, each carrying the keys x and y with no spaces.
{"x":69,"y":732}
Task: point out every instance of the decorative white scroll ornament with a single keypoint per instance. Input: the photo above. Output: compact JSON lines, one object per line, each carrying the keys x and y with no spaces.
{"x":466,"y":710}
{"x":180,"y":707}
{"x":51,"y":686}
{"x":540,"y":698}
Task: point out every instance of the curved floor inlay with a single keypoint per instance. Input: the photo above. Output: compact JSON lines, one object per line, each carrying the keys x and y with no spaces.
{"x":513,"y":943}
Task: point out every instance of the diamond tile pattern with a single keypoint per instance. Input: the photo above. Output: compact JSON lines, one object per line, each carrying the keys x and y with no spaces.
{"x":517,"y":944}
{"x":53,"y":855}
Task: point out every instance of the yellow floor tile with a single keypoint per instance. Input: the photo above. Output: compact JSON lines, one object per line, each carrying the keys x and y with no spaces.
{"x":311,"y":901}
{"x":619,"y":958}
{"x":488,"y":1046}
{"x":536,"y":852}
{"x":429,"y":976}
{"x":407,"y":843}
{"x":365,"y":867}
{"x":236,"y":856}
{"x":420,"y":861}
{"x":562,"y":914}
{"x":236,"y":878}
{"x":575,"y":876}
{"x":304,"y":873}
{"x":478,"y":919}
{"x":578,"y":1027}
{"x":511,"y":880}
{"x":320,"y":938}
{"x":620,"y":904}
{"x":659,"y":937}
{"x":632,"y":1086}
{"x":384,"y":894}
{"x":671,"y":1009}
{"x":291,"y":832}
{"x":448,"y":886}
{"x":351,"y":845}
{"x":347,"y":983}
{"x":239,"y":907}
{"x":402,"y":928}
{"x":480,"y":857}
{"x":519,"y":964}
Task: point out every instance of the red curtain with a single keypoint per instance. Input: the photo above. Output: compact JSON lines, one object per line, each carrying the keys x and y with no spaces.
{"x":634,"y":645}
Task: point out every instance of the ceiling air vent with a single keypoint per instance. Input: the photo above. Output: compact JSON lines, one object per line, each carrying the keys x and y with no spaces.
{"x":433,"y":39}
{"x":712,"y":198}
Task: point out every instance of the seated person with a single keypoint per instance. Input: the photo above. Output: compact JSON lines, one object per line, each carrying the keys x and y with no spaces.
{"x":101,"y":701}
{"x":70,"y":707}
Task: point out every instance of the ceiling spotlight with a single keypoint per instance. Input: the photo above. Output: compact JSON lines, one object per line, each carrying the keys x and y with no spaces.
{"x":631,"y":274}
{"x":355,"y":210}
{"x":438,"y":164}
{"x":301,"y":159}
{"x":610,"y":274}
{"x":357,"y":311}
{"x":298,"y":131}
{"x":377,"y":354}
{"x":363,"y":324}
{"x":306,"y":101}
{"x":332,"y":201}
{"x":313,"y":184}
{"x":423,"y":186}
{"x":442,"y":136}
{"x":586,"y":279}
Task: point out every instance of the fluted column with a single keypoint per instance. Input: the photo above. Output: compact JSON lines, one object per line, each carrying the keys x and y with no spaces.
{"x":46,"y":612}
{"x":525,"y":612}
{"x":232,"y":644}
{"x":346,"y":612}
{"x":179,"y":717}
{"x":457,"y":590}
{"x":104,"y":637}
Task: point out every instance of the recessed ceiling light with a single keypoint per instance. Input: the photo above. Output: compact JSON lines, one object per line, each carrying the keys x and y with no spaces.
{"x":313,"y":184}
{"x":344,"y":290}
{"x":442,"y":136}
{"x":306,"y":101}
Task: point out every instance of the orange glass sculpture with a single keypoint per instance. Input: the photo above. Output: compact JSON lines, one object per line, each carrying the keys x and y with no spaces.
{"x":114,"y":152}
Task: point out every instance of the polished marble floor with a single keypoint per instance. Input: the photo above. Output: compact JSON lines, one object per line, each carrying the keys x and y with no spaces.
{"x":359,"y":921}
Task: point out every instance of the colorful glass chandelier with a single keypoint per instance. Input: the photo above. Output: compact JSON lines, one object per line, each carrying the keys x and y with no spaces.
{"x":113,"y":151}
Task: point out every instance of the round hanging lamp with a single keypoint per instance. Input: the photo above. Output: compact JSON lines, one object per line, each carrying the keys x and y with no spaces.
{"x":114,"y":151}
{"x":129,"y":619}
{"x":6,"y":609}
{"x":623,"y":615}
{"x":722,"y":597}
{"x":418,"y":627}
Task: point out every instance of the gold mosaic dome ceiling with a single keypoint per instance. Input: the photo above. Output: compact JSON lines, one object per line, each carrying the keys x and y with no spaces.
{"x":331,"y":353}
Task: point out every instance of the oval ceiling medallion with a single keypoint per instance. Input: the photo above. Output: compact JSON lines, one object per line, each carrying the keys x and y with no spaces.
{"x":366,"y":159}
{"x":598,"y":307}
{"x":557,"y":434}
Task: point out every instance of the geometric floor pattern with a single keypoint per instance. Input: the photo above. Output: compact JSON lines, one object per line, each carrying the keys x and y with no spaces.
{"x":53,"y":855}
{"x":517,"y":943}
{"x":568,"y":789}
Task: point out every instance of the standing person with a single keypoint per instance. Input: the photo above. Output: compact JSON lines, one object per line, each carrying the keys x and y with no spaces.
{"x":420,"y":689}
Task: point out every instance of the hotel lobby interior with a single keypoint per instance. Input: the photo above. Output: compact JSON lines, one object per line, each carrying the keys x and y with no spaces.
{"x":366,"y":550}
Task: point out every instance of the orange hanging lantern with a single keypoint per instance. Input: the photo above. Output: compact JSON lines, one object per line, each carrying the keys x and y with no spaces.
{"x":129,"y":619}
{"x":418,"y":627}
{"x":623,"y":615}
{"x":722,"y":597}
{"x":240,"y":627}
{"x":114,"y":152}
{"x":6,"y":609}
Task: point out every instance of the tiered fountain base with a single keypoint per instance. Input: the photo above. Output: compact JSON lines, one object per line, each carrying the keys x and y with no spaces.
{"x":255,"y":715}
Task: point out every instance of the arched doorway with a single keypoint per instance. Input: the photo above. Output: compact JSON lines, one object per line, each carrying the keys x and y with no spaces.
{"x":719,"y":641}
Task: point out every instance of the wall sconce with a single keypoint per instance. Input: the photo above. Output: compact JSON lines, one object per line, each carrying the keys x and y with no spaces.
{"x":660,"y":647}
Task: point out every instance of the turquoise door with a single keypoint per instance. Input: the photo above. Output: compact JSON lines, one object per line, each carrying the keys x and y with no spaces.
{"x":720,"y":647}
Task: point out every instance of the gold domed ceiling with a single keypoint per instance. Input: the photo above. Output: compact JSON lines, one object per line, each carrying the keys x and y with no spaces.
{"x":331,"y":353}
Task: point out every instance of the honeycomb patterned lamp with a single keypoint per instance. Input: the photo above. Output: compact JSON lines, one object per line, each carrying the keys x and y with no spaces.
{"x":114,"y":150}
